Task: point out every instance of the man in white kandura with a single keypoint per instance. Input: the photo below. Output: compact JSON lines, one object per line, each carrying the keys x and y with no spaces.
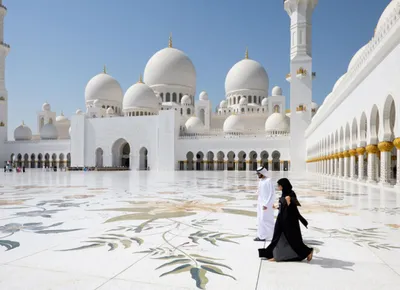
{"x":265,"y":211}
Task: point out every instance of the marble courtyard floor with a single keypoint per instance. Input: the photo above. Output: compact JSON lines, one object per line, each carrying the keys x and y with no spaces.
{"x":187,"y":230}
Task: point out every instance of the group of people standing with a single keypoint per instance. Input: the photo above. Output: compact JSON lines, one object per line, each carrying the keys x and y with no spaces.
{"x":285,"y":234}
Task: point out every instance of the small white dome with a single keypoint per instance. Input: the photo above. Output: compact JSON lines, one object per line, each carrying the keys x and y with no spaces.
{"x":223,"y":104}
{"x":387,"y":13}
{"x":61,"y":118}
{"x":194,"y":125}
{"x":338,"y":82}
{"x":356,"y":57}
{"x":140,"y":96}
{"x":110,"y":111}
{"x":48,"y":132}
{"x":46,"y":107}
{"x":234,"y":124}
{"x":203,"y":96}
{"x":170,"y":66}
{"x":277,"y":91}
{"x":277,"y":122}
{"x":97,"y":103}
{"x":104,"y":88}
{"x":78,"y":112}
{"x":186,"y":100}
{"x":22,"y":133}
{"x":247,"y":74}
{"x":264,"y":102}
{"x":314,"y":106}
{"x":243,"y":101}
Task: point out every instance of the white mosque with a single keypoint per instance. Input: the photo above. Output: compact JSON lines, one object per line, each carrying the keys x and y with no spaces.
{"x":160,"y":124}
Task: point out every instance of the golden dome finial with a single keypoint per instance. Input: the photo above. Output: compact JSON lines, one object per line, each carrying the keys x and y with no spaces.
{"x":170,"y":40}
{"x":140,"y":79}
{"x":104,"y":69}
{"x":246,"y":56}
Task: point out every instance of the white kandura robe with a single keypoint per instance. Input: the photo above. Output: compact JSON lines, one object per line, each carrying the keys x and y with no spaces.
{"x":265,"y":218}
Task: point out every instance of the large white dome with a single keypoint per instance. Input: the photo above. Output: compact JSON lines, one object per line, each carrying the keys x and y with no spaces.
{"x":277,"y":122}
{"x":338,"y":82}
{"x":170,"y":66}
{"x":194,"y":125}
{"x":103,"y":87}
{"x":387,"y":13}
{"x":356,"y":57}
{"x":48,"y":132}
{"x":140,"y":96}
{"x":234,"y":124}
{"x":247,"y":74}
{"x":22,"y":133}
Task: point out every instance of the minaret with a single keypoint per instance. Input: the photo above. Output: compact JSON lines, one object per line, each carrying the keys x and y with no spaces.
{"x":4,"y":49}
{"x":300,"y":77}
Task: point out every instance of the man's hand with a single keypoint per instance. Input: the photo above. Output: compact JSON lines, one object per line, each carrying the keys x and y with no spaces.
{"x":265,"y":208}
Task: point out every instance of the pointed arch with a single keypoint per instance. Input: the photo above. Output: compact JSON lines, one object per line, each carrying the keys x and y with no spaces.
{"x":389,"y":118}
{"x":143,"y":158}
{"x":121,"y":151}
{"x":374,"y":125}
{"x":99,"y":157}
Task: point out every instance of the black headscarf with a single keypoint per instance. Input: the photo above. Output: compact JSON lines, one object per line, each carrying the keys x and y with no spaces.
{"x":287,"y":190}
{"x":286,"y":186}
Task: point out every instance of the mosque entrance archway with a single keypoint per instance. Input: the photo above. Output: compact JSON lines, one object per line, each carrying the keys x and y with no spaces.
{"x":276,"y":161}
{"x":61,"y":162}
{"x":210,"y":160}
{"x":264,"y":159}
{"x":121,"y":151}
{"x":242,"y":161}
{"x":33,"y":161}
{"x":40,"y":160}
{"x":231,"y":161}
{"x":189,"y":158}
{"x":253,"y":160}
{"x":99,"y":157}
{"x":69,"y":160}
{"x":221,"y":163}
{"x":143,"y":164}
{"x":200,"y":161}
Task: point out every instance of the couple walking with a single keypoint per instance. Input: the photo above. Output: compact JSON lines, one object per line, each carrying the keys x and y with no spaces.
{"x":287,"y":242}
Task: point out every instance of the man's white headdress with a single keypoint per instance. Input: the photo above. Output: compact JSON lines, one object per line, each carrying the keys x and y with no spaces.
{"x":262,"y":170}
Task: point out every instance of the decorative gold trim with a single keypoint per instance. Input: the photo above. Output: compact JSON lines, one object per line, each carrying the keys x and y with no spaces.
{"x":346,"y":154}
{"x":170,"y":40}
{"x":360,"y":150}
{"x":396,"y":143}
{"x":372,"y":149}
{"x":246,"y":55}
{"x":353,"y":152}
{"x":385,"y":146}
{"x":341,"y":155}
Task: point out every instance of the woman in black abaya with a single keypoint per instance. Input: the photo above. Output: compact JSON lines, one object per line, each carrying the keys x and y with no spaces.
{"x":287,"y":242}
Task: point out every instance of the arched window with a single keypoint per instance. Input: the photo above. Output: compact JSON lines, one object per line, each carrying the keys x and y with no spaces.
{"x":141,"y":113}
{"x":174,"y":97}
{"x":234,"y":100}
{"x":188,"y":111}
{"x":249,"y":99}
{"x":259,"y":99}
{"x":180,"y":97}
{"x":168,"y":97}
{"x":162,"y":97}
{"x":181,"y":111}
{"x":255,"y":99}
{"x":242,"y":110}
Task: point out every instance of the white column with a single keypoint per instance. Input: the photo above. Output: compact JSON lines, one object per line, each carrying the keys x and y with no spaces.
{"x":352,"y":153}
{"x":360,"y":153}
{"x":386,"y":160}
{"x":341,"y":165}
{"x":346,"y":158}
{"x":372,"y":150}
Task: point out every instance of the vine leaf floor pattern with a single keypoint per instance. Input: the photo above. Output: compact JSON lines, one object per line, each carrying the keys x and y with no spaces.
{"x":188,"y":230}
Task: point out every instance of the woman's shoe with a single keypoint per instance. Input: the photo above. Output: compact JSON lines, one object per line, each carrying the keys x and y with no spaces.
{"x":259,"y":240}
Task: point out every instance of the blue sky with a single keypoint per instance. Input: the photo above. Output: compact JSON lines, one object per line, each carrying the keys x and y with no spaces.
{"x":58,"y":45}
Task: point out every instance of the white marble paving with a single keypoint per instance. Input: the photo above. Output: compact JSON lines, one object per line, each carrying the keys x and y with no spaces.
{"x":187,"y":230}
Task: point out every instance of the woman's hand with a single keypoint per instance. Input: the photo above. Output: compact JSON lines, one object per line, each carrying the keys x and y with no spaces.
{"x":288,"y":199}
{"x":275,"y":206}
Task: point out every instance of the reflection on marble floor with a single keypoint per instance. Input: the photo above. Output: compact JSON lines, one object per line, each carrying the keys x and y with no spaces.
{"x":187,"y":230}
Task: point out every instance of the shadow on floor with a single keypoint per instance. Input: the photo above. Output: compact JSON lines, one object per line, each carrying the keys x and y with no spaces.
{"x":332,"y":263}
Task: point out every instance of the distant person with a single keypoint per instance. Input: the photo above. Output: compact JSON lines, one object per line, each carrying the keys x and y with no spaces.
{"x":23,"y":169}
{"x":265,"y":211}
{"x":287,"y":243}
{"x":5,"y":168}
